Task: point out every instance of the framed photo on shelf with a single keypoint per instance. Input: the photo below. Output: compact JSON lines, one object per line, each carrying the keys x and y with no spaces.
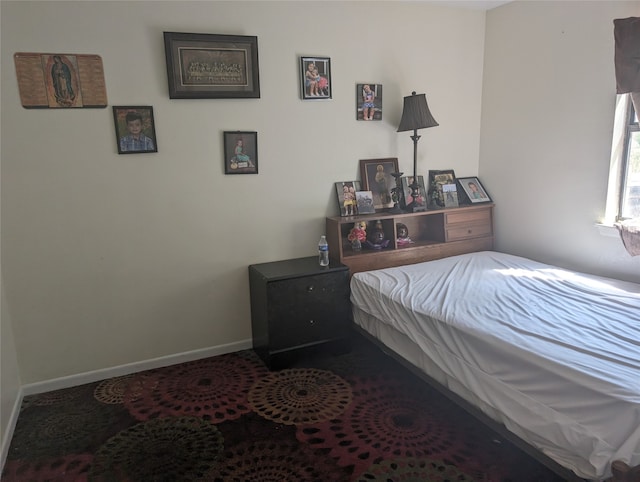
{"x":315,"y":78}
{"x":135,"y":129}
{"x":240,"y":152}
{"x":346,"y":193}
{"x":450,"y":193}
{"x":474,"y":190}
{"x":368,"y":102}
{"x":375,"y":175}
{"x":406,"y":182}
{"x":436,"y":180}
{"x":364,"y":200}
{"x":211,"y":66}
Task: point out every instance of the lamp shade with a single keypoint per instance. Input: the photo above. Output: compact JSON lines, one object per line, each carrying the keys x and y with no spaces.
{"x":416,"y":114}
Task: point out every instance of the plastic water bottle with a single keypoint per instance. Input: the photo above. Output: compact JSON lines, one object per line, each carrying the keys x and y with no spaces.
{"x":323,"y":251}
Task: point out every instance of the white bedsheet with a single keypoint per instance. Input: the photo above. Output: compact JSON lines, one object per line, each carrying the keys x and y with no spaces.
{"x":555,"y":352}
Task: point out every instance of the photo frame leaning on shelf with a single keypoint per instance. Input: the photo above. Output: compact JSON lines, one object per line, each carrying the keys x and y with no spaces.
{"x":135,"y":129}
{"x":315,"y":78}
{"x":346,"y":194}
{"x":364,"y":199}
{"x":375,"y":175}
{"x":240,"y":152}
{"x":437,"y":178}
{"x":406,"y":182}
{"x":474,"y":190}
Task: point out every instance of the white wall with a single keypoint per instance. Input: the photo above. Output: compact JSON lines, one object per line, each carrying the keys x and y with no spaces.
{"x":111,"y":259}
{"x":547,"y":120}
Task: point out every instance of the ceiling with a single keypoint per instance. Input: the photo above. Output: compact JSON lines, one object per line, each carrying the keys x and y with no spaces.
{"x":474,"y":4}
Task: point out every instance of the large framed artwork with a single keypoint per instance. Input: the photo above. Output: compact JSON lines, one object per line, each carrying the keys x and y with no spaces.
{"x":376,"y":176}
{"x":315,"y":78}
{"x":213,"y":66}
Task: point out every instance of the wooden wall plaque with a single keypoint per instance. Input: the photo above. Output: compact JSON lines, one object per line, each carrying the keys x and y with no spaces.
{"x":60,"y":80}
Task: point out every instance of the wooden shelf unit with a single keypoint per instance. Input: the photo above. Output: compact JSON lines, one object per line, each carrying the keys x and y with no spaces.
{"x":435,"y":233}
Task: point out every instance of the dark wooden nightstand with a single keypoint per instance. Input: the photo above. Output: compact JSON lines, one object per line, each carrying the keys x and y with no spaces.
{"x":297,"y":304}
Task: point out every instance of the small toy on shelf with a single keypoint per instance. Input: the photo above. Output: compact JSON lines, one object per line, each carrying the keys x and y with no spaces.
{"x":376,"y":238}
{"x":403,"y":235}
{"x":358,"y":235}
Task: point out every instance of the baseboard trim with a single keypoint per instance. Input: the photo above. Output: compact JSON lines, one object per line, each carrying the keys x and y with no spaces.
{"x":118,"y":371}
{"x":11,"y":426}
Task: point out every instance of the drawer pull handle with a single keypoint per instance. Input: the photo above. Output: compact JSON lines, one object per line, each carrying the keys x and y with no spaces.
{"x":469,"y":231}
{"x":311,"y":322}
{"x":310,"y":288}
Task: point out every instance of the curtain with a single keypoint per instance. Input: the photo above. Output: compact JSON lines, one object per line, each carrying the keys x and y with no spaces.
{"x":626,"y":32}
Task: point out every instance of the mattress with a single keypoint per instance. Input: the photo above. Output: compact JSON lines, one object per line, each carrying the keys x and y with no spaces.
{"x":553,"y":354}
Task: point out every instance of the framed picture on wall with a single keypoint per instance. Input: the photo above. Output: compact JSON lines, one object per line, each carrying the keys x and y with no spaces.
{"x":211,"y":66}
{"x":135,"y":129}
{"x":376,"y":176}
{"x":368,"y":102}
{"x":240,"y":152}
{"x":474,"y":190}
{"x":315,"y":78}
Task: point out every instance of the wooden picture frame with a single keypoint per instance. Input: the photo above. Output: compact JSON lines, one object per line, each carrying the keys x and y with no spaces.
{"x":368,"y":102}
{"x":407,"y":198}
{"x":346,"y":194}
{"x":375,"y":175}
{"x":437,"y":178}
{"x":240,"y":152}
{"x":135,"y":129}
{"x":315,"y":78}
{"x":474,"y":190}
{"x":212,"y":66}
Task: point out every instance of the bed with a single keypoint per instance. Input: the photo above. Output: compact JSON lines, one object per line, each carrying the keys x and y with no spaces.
{"x":551,"y":355}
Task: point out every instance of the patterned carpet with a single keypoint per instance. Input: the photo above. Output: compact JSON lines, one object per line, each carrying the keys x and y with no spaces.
{"x":328,"y":418}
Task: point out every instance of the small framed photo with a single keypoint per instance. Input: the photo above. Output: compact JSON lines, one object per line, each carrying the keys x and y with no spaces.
{"x":346,"y":193}
{"x":474,"y":190}
{"x":368,"y":102}
{"x":240,"y":152}
{"x":135,"y":129}
{"x":436,"y":180}
{"x":450,"y":193}
{"x":364,"y":200}
{"x":211,"y":66}
{"x":376,"y":176}
{"x":406,"y":182}
{"x":315,"y":78}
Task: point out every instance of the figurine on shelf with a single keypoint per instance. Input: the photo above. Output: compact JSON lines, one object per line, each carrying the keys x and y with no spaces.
{"x":358,"y":235}
{"x":376,"y":238}
{"x":403,"y":235}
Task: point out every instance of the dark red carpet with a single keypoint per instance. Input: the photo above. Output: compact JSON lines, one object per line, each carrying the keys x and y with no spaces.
{"x":358,"y":416}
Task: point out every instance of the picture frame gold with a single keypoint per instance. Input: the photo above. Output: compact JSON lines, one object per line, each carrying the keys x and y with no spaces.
{"x":212,"y":66}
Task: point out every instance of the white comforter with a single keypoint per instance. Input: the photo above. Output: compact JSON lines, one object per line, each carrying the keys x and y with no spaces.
{"x":556,"y":352}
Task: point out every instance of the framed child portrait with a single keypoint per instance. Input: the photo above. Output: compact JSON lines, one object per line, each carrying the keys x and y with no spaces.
{"x":135,"y":129}
{"x":346,"y":193}
{"x":474,"y":190}
{"x":315,"y":78}
{"x":368,"y":102}
{"x":240,"y":152}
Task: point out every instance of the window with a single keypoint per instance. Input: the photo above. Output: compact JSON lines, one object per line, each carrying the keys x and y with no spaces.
{"x":630,"y":167}
{"x":623,"y":197}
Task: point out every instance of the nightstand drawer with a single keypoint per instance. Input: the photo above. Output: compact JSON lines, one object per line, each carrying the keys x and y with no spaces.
{"x":307,"y":310}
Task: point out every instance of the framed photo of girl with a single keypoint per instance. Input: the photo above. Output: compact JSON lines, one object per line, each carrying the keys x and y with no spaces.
{"x":135,"y":129}
{"x":368,"y":102}
{"x":315,"y":78}
{"x":240,"y":152}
